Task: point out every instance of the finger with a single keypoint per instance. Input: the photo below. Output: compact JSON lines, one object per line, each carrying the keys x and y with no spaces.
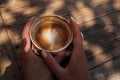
{"x":77,"y":41}
{"x":52,"y":64}
{"x":60,"y":56}
{"x":25,"y":35}
{"x":34,"y":49}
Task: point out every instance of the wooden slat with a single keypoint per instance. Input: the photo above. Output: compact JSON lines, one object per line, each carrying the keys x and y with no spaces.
{"x":8,"y":64}
{"x":102,"y":40}
{"x":108,"y":71}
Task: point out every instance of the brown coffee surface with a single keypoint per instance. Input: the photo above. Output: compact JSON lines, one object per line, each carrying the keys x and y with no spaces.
{"x":52,"y":35}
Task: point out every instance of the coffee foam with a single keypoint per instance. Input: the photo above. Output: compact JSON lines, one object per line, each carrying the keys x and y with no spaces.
{"x":52,"y":35}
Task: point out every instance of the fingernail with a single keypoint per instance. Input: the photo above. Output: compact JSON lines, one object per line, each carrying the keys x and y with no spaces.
{"x":73,"y":18}
{"x":44,"y":54}
{"x":82,"y":35}
{"x":32,"y":18}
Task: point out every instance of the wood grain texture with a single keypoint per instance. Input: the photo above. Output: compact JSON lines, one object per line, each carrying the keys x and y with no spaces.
{"x":102,"y":40}
{"x":105,"y":72}
{"x":99,"y":20}
{"x":8,"y":65}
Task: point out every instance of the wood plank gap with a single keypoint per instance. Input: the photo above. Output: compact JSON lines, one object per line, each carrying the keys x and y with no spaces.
{"x":108,"y":13}
{"x":15,"y":61}
{"x":104,"y":62}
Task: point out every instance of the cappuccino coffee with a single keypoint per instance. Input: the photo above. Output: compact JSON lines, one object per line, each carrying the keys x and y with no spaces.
{"x":51,"y":33}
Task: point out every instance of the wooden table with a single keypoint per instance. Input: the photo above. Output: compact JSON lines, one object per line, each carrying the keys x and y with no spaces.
{"x":99,"y":20}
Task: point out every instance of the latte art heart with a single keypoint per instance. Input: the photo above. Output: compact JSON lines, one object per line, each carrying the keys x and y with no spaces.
{"x":50,"y":36}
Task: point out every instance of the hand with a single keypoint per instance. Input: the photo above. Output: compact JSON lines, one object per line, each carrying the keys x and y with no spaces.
{"x":77,"y":68}
{"x":33,"y":66}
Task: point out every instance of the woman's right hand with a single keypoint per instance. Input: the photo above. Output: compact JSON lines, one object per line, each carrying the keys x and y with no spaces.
{"x":77,"y":67}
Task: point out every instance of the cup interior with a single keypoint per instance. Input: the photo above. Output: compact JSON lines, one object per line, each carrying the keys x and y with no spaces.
{"x":51,"y":33}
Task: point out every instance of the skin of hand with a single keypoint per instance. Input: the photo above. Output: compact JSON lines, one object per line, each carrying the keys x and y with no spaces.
{"x":77,"y":67}
{"x":33,"y":66}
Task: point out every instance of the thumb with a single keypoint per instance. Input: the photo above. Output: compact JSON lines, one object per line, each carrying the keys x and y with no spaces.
{"x":26,"y":44}
{"x":52,"y":64}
